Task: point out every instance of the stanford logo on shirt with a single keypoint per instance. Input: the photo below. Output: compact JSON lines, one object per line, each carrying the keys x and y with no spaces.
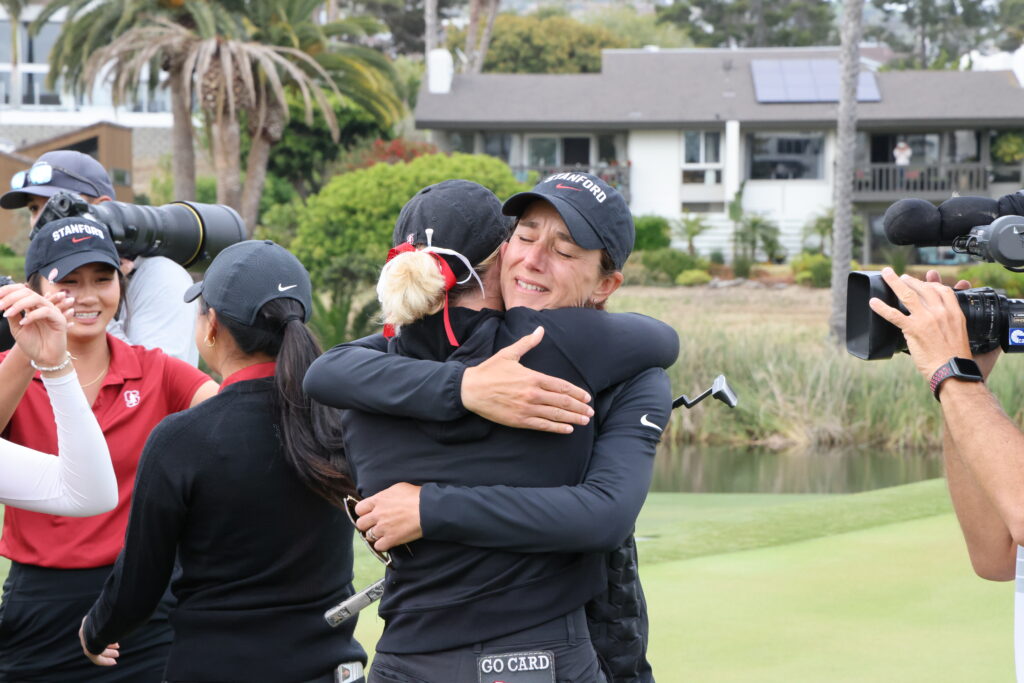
{"x":132,"y":398}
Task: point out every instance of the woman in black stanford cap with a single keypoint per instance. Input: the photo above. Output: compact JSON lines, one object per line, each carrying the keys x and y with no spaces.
{"x":246,"y":491}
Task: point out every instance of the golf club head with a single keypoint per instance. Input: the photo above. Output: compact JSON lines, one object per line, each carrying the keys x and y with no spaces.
{"x":721,"y":390}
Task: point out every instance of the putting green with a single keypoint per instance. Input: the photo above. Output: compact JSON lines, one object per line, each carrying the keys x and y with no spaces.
{"x":893,"y":603}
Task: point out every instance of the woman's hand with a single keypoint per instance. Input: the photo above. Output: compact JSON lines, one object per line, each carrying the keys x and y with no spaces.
{"x":106,"y":658}
{"x":391,"y":517}
{"x":38,"y":324}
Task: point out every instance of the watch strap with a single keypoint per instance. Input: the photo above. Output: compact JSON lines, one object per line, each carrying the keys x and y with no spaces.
{"x":944,"y":372}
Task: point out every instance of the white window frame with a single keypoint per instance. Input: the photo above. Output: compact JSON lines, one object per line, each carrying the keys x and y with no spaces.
{"x":708,"y":167}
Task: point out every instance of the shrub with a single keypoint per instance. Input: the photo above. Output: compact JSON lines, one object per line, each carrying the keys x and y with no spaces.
{"x":634,"y":272}
{"x":814,"y":270}
{"x":652,"y":232}
{"x":717,"y":257}
{"x":741,"y":266}
{"x":994,"y":275}
{"x":692,"y":278}
{"x":670,"y":262}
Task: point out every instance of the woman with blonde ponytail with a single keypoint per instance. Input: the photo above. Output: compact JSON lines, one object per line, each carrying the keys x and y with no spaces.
{"x":454,"y":611}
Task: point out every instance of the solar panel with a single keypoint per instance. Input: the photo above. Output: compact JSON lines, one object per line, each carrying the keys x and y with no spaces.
{"x":806,"y":80}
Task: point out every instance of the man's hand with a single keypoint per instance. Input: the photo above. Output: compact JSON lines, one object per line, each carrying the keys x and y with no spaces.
{"x":393,"y":515}
{"x":986,"y":361}
{"x":106,"y":658}
{"x":501,"y":390}
{"x":935,"y":329}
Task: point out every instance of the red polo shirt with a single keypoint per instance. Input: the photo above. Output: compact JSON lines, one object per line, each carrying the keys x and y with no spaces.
{"x":142,"y":387}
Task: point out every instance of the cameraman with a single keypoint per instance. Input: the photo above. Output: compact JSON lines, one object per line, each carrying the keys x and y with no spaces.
{"x":983,"y":465}
{"x":154,"y":314}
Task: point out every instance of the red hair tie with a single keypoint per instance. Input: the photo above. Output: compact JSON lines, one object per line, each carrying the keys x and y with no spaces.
{"x":449,"y":281}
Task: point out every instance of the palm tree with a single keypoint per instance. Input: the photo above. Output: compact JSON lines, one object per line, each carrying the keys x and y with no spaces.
{"x":14,"y":8}
{"x":842,"y":237}
{"x":692,"y":226}
{"x":90,"y":26}
{"x":240,"y":76}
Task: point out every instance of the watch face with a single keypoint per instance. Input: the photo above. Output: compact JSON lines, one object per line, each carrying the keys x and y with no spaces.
{"x":965,"y":367}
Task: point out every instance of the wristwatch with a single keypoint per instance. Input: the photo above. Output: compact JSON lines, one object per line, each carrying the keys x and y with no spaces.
{"x":958,"y":368}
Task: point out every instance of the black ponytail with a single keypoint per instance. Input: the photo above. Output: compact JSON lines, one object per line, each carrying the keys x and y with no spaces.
{"x":311,"y":432}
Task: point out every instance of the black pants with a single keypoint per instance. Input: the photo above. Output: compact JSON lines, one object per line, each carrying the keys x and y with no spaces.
{"x":567,"y":637}
{"x":40,"y":616}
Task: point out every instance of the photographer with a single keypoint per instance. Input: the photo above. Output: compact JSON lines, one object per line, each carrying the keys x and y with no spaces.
{"x":982,"y":448}
{"x":154,"y":313}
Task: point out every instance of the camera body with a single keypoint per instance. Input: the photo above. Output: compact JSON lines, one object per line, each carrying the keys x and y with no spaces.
{"x":188,"y":233}
{"x":993,"y":320}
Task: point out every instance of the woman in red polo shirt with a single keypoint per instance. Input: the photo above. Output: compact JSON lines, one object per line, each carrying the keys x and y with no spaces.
{"x":130,"y":389}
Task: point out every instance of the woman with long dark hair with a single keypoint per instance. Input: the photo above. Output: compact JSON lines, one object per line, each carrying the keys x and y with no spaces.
{"x":460,"y":612}
{"x":245,"y":490}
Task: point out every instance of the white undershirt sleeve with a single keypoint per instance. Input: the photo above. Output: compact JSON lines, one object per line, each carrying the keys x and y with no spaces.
{"x":78,"y":482}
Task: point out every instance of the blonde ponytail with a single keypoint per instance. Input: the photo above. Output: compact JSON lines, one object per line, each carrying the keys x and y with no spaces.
{"x":410,"y":287}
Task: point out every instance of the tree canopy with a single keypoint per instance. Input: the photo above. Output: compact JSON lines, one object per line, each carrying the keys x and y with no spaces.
{"x":933,"y":33}
{"x":551,"y":45}
{"x":754,"y":23}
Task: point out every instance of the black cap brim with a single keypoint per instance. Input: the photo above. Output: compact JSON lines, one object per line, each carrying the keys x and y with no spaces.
{"x":16,"y":199}
{"x":193,"y":292}
{"x":582,"y":232}
{"x":66,"y":265}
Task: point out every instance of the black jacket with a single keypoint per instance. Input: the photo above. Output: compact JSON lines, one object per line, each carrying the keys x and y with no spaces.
{"x":262,"y":556}
{"x":591,"y":349}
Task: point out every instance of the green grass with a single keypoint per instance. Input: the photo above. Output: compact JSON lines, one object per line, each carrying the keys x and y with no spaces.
{"x":867,"y":587}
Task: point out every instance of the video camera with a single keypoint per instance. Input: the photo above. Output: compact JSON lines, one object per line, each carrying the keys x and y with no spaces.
{"x":988,"y":230}
{"x":188,"y":233}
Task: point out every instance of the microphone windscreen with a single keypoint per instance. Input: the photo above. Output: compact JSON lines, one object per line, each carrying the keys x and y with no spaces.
{"x":961,"y":214}
{"x":913,"y":221}
{"x":1012,"y":204}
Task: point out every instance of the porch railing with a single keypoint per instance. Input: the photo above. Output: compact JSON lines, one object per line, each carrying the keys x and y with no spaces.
{"x":615,"y":175}
{"x":932,"y":181}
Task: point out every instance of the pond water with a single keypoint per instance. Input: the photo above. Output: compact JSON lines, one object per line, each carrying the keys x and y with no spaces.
{"x":704,"y":469}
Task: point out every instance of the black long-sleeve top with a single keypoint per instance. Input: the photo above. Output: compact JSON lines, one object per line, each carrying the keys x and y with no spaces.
{"x":262,"y":556}
{"x":445,"y":594}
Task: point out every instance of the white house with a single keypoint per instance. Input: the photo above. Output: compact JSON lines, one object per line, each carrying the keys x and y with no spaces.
{"x":44,"y":112}
{"x":681,"y":131}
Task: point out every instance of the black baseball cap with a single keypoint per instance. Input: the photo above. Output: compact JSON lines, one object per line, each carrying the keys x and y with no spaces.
{"x":595,"y":213}
{"x":464,"y":216}
{"x":246,"y":275}
{"x":69,"y":171}
{"x":62,"y":245}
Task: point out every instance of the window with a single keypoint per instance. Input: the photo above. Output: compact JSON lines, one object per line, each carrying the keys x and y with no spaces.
{"x":575,"y":151}
{"x":541,"y":152}
{"x":40,"y":44}
{"x":785,"y":156}
{"x":702,"y":157}
{"x":606,"y":153}
{"x":462,"y":141}
{"x":498,"y":145}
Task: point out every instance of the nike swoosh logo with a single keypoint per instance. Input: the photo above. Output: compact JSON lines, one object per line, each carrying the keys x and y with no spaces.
{"x":647,"y":423}
{"x":567,"y":187}
{"x":76,"y":240}
{"x":282,"y":288}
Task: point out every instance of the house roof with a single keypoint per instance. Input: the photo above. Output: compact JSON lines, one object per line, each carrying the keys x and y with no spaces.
{"x":698,"y":87}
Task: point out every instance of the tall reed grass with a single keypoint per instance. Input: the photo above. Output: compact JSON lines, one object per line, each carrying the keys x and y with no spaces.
{"x":797,"y":389}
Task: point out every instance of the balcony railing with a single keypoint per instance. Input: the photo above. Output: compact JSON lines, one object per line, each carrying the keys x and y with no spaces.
{"x":615,"y":175}
{"x":934,"y":181}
